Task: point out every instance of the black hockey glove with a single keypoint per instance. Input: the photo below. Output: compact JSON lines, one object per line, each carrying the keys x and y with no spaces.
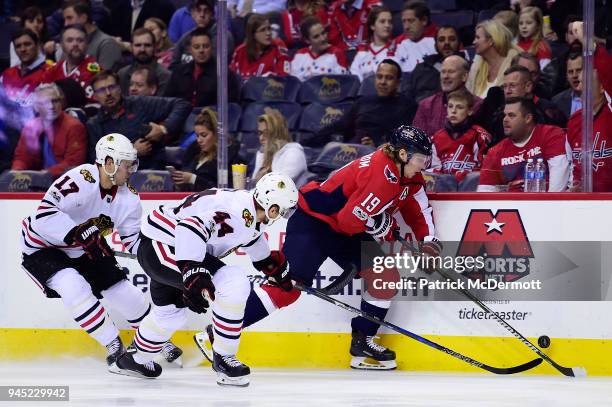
{"x":88,"y":236}
{"x":197,"y":282}
{"x":276,"y":267}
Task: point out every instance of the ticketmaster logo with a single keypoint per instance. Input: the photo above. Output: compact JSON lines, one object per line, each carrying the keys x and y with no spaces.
{"x":473,"y":313}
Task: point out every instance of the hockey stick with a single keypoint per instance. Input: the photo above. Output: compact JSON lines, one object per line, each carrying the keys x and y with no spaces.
{"x":497,"y":370}
{"x":124,"y":254}
{"x":567,"y":371}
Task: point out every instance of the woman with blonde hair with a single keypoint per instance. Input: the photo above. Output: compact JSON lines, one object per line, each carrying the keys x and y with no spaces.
{"x":278,"y":153}
{"x":200,"y":170}
{"x":495,"y":50}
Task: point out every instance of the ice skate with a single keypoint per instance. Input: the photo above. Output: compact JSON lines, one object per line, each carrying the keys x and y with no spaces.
{"x":368,"y":355}
{"x":172,"y":354}
{"x":126,"y":365}
{"x":205,"y":340}
{"x":115,"y":350}
{"x":230,"y":371}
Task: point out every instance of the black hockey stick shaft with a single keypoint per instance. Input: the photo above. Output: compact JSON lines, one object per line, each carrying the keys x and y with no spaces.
{"x":497,"y":370}
{"x":567,"y":371}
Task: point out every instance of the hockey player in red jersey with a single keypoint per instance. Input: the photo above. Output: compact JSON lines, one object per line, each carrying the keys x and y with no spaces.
{"x":181,"y":250}
{"x":64,"y":249}
{"x":505,"y":163}
{"x":354,"y":205}
{"x":75,"y":64}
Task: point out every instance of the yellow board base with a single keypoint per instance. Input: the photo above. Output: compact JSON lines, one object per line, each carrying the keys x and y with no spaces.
{"x":328,"y":350}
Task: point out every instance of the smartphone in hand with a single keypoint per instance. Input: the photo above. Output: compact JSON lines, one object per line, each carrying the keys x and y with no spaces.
{"x":170,"y":168}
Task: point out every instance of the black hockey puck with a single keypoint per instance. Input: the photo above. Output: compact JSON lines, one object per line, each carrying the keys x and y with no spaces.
{"x":544,"y":341}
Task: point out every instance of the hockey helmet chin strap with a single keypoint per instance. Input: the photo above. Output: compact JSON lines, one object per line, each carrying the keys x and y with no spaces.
{"x":111,"y":176}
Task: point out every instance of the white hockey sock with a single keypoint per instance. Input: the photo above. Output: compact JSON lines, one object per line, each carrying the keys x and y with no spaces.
{"x":156,"y":329}
{"x":129,"y":300}
{"x":85,"y":308}
{"x":232,"y":289}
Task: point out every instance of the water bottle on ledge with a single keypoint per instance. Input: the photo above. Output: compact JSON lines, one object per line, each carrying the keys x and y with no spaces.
{"x":540,"y":176}
{"x":528,"y":185}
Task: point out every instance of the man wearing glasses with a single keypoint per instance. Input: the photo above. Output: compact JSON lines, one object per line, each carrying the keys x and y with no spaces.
{"x":149,"y":122}
{"x":54,"y":141}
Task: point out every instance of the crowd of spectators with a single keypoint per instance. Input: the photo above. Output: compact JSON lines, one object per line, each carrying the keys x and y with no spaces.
{"x":491,"y":93}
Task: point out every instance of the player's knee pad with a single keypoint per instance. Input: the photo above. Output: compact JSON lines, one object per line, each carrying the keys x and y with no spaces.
{"x":279,"y":297}
{"x":127,"y":299}
{"x":231,"y":284}
{"x":169,"y":317}
{"x":71,"y":286}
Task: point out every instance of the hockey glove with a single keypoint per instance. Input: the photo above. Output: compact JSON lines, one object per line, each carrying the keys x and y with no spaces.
{"x":276,"y":267}
{"x":88,"y":236}
{"x":431,"y":248}
{"x":382,"y":226}
{"x":197,"y":282}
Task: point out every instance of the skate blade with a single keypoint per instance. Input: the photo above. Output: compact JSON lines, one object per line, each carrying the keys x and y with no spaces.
{"x":363,"y":363}
{"x":201,"y":340}
{"x":125,"y":372}
{"x":225,"y":380}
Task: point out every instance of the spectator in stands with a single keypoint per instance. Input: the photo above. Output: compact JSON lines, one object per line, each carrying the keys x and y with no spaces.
{"x":347,"y":22}
{"x":75,"y":64}
{"x":200,"y":169}
{"x":20,"y":81}
{"x":425,"y":79}
{"x":371,"y":119}
{"x":518,"y":83}
{"x":378,"y":48}
{"x":54,"y":141}
{"x":432,"y":111}
{"x":413,"y":45}
{"x":459,"y":147}
{"x":602,"y":139}
{"x":531,"y":35}
{"x":33,"y":19}
{"x":143,"y":82}
{"x":602,"y":60}
{"x":260,"y":54}
{"x":126,"y":16}
{"x":149,"y":122}
{"x":181,"y":22}
{"x":530,"y":62}
{"x":510,"y":20}
{"x":11,"y":123}
{"x":196,"y":81}
{"x":242,"y":8}
{"x":163,"y":45}
{"x":320,"y":57}
{"x":143,"y":53}
{"x":202,"y":12}
{"x":494,"y":49}
{"x":278,"y":153}
{"x":293,"y":18}
{"x":504,"y":164}
{"x":100,"y":45}
{"x":570,"y":100}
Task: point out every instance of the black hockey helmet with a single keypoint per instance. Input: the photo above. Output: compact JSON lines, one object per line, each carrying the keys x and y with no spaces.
{"x":411,"y":138}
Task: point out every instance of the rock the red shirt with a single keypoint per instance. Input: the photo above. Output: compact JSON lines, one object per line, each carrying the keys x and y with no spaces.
{"x":505,"y":163}
{"x":274,"y":61}
{"x":83,"y":74}
{"x":602,"y":148}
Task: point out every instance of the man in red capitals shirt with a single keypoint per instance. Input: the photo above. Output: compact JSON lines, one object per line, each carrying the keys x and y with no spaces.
{"x":21,"y":80}
{"x":505,"y":163}
{"x":602,"y":141}
{"x":76,"y":64}
{"x":347,"y":22}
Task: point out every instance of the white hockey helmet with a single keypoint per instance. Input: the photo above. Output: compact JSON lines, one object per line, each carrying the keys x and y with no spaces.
{"x":276,"y":189}
{"x":119,"y":148}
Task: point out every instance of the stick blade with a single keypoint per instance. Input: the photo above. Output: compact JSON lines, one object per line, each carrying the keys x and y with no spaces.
{"x":579,"y":371}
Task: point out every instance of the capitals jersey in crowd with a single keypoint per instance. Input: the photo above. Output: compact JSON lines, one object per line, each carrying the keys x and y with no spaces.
{"x":505,"y":163}
{"x":602,"y":151}
{"x":74,"y":198}
{"x":409,"y":53}
{"x":20,"y":84}
{"x":461,"y":155}
{"x":213,"y":221}
{"x":347,"y":22}
{"x":369,"y":56}
{"x":366,"y":187}
{"x":274,"y":61}
{"x":83,"y":74}
{"x":305,"y":64}
{"x":291,"y":23}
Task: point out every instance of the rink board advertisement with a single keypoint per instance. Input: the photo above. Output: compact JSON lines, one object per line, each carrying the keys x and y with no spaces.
{"x":312,"y":333}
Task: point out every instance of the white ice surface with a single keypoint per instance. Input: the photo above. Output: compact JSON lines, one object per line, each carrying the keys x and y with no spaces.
{"x":91,"y":385}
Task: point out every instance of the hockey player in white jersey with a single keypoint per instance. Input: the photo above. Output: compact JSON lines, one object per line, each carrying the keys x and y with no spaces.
{"x":64,"y":249}
{"x":181,"y":251}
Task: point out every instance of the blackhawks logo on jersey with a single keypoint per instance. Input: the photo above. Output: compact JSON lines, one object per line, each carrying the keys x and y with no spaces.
{"x":93,"y":67}
{"x":104,"y":223}
{"x":248,"y":218}
{"x":87,"y":175}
